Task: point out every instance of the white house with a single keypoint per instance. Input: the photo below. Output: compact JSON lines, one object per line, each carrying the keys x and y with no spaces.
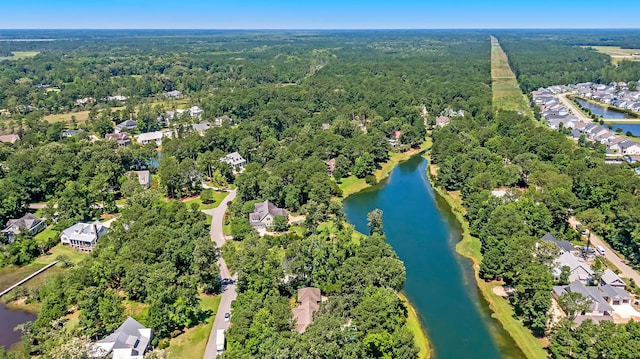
{"x":148,"y":137}
{"x":125,"y":126}
{"x":578,"y":269}
{"x":129,"y":341}
{"x":195,"y":111}
{"x":83,"y":236}
{"x":264,"y":213}
{"x":234,"y":160}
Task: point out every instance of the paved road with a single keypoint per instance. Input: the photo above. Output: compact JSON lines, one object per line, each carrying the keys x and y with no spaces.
{"x":229,"y":292}
{"x":612,"y":256}
{"x":573,"y":108}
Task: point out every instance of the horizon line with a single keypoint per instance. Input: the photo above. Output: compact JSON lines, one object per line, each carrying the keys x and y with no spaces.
{"x":318,"y":29}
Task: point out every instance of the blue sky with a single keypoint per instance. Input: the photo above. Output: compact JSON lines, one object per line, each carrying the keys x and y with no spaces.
{"x":308,"y":14}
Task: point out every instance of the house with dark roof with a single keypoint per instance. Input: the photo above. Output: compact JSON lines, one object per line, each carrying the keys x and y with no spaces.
{"x":129,"y":341}
{"x":126,"y":126}
{"x":309,"y":299}
{"x":264,"y":213}
{"x":599,"y":305}
{"x":83,"y":236}
{"x":29,"y":222}
{"x":565,"y":246}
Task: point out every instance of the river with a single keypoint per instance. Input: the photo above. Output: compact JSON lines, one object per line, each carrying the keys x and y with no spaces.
{"x":440,"y":283}
{"x":8,"y":320}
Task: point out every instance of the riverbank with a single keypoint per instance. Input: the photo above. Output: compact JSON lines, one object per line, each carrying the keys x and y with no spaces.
{"x":416,"y":328}
{"x":469,"y":247}
{"x":352,"y":184}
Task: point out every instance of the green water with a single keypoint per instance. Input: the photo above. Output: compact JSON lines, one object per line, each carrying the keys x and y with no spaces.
{"x":440,"y":283}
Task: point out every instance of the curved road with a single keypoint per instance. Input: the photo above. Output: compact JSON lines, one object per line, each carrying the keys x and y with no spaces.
{"x":229,"y":291}
{"x":612,"y":256}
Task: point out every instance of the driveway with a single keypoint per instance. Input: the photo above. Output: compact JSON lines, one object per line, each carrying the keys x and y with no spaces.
{"x":228,"y":291}
{"x":612,"y":256}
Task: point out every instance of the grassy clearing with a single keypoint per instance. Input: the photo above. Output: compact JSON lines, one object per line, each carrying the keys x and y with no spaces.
{"x":618,"y":54}
{"x":218,"y":197}
{"x":192,"y":343}
{"x":419,"y":334}
{"x":506,"y":92}
{"x":19,"y":55}
{"x":469,"y":247}
{"x":352,"y":184}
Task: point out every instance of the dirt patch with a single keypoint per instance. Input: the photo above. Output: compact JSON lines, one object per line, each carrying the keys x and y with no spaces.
{"x":499,"y":291}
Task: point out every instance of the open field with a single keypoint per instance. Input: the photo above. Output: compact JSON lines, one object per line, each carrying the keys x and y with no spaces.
{"x":18,"y":55}
{"x":506,"y":92}
{"x":618,"y":54}
{"x":469,"y":247}
{"x":193,"y":341}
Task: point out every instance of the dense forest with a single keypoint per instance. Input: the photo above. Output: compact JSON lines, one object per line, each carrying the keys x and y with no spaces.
{"x":542,"y":58}
{"x":296,"y":100}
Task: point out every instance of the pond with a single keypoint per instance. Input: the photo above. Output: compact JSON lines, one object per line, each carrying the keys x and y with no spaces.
{"x":8,"y":321}
{"x":440,"y":283}
{"x":603,"y":111}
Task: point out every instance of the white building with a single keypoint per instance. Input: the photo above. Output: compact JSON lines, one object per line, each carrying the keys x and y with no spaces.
{"x":83,"y":236}
{"x":129,"y":341}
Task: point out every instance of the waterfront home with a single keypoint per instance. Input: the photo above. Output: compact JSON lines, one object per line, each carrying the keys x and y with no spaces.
{"x":234,"y":160}
{"x":13,"y":138}
{"x":83,"y":236}
{"x":122,"y":139}
{"x":308,"y":302}
{"x":578,"y":269}
{"x":148,"y":137}
{"x":27,"y":222}
{"x":565,"y":246}
{"x":126,"y":126}
{"x":599,"y":305}
{"x":264,"y":214}
{"x":129,"y":341}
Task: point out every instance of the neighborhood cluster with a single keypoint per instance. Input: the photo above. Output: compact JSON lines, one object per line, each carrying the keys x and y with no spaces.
{"x":552,"y":103}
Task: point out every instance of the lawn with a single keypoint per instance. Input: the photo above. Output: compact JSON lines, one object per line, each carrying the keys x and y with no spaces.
{"x":507,"y":95}
{"x":419,"y":334}
{"x":19,"y":55}
{"x":469,"y":247}
{"x":352,"y":184}
{"x":192,"y":343}
{"x":618,"y":54}
{"x":218,"y":197}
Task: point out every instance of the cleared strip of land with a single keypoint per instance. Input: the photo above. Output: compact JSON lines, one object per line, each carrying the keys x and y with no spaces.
{"x":506,"y":92}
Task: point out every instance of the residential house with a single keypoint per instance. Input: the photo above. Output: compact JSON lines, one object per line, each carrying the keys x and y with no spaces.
{"x":219,"y":121}
{"x":144,"y":178}
{"x":195,"y":111}
{"x":331,"y":166}
{"x":309,"y":299}
{"x":173,"y":94}
{"x":29,"y":222}
{"x":129,"y":341}
{"x":118,"y":98}
{"x":122,"y":139}
{"x":149,"y":137}
{"x":234,"y":160}
{"x":565,"y":246}
{"x":83,"y":236}
{"x":70,"y":133}
{"x":264,"y":214}
{"x":201,"y":127}
{"x":165,"y":118}
{"x":126,"y":126}
{"x":326,"y":126}
{"x":599,"y":305}
{"x":578,"y":269}
{"x":442,"y":121}
{"x":84,"y":101}
{"x":615,"y":295}
{"x":9,"y":138}
{"x":611,"y":279}
{"x":625,"y":148}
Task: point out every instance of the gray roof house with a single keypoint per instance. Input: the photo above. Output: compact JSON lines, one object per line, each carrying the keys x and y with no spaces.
{"x":201,"y":127}
{"x":9,"y":138}
{"x":565,"y":246}
{"x":264,"y":213}
{"x":195,"y":111}
{"x":599,"y":305}
{"x":28,"y":221}
{"x":149,"y":137}
{"x":144,"y":178}
{"x":129,"y":341}
{"x":83,"y":236}
{"x":122,"y":139}
{"x":125,"y":126}
{"x":611,"y":279}
{"x":309,"y":299}
{"x":234,"y":160}
{"x":578,"y":269}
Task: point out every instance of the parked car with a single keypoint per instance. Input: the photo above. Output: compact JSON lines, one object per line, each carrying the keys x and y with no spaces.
{"x":600,"y":249}
{"x":227,"y":317}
